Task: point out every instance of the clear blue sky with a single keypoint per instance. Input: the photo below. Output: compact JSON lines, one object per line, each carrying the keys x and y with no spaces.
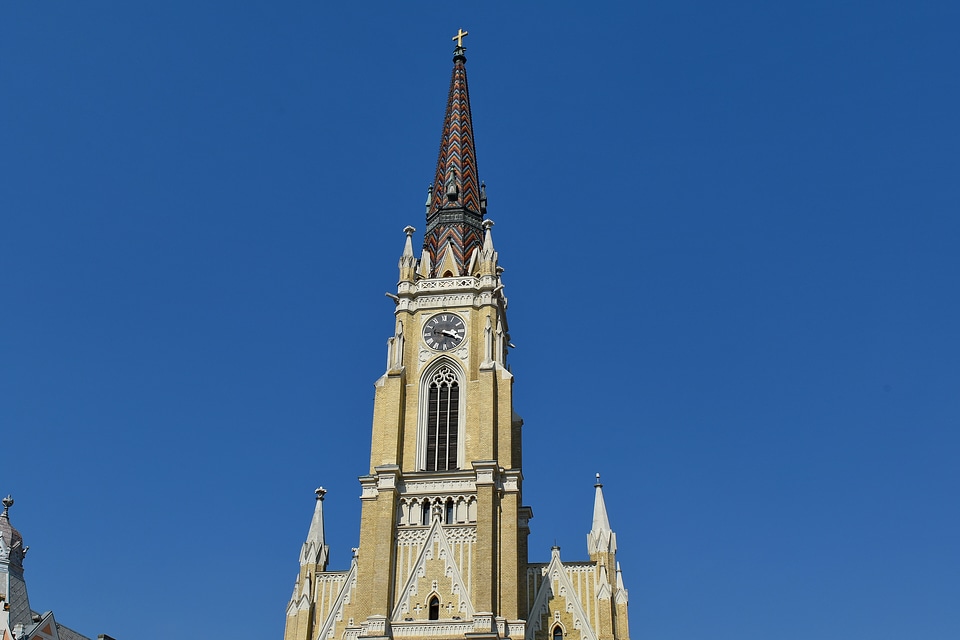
{"x":747,"y":213}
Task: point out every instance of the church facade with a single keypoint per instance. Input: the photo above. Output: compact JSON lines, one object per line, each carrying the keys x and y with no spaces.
{"x":443,"y":532}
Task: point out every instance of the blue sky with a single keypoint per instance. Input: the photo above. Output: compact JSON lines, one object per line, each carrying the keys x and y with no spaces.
{"x":747,"y":214}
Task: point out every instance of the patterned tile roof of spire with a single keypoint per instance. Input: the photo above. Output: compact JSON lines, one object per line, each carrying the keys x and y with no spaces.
{"x":457,"y":201}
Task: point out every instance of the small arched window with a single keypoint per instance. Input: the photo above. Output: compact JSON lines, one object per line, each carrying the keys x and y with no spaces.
{"x":425,"y":512}
{"x":434,"y":608}
{"x":448,"y":511}
{"x":557,"y":633}
{"x":443,"y":420}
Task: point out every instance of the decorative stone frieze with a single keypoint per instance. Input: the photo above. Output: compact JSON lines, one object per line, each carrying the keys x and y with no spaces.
{"x":432,"y":485}
{"x":437,"y":628}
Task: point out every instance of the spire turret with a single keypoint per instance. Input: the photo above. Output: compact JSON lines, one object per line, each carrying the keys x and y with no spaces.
{"x":315,"y":551}
{"x":457,"y":200}
{"x":408,"y":262}
{"x":601,"y":538}
{"x":11,"y":542}
{"x":12,"y":585}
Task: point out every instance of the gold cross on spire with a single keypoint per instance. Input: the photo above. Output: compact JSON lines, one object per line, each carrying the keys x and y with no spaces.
{"x":459,"y":37}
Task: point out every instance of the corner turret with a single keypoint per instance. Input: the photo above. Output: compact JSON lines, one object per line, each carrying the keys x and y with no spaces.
{"x":602,"y":547}
{"x":12,"y":585}
{"x":601,"y":539}
{"x":408,"y":262}
{"x":315,"y":551}
{"x":313,"y":560}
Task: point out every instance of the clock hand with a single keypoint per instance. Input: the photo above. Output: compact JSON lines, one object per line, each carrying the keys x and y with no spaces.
{"x":447,"y":332}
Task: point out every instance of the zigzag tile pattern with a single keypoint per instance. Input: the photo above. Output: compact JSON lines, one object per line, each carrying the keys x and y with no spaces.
{"x":457,"y":158}
{"x":463,"y":238}
{"x":456,"y":162}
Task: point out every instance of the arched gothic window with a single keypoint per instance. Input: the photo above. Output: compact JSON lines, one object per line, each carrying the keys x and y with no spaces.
{"x":443,"y":420}
{"x":557,"y":633}
{"x":434,"y":608}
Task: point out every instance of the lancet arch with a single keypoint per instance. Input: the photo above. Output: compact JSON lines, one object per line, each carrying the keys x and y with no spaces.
{"x":440,"y":425}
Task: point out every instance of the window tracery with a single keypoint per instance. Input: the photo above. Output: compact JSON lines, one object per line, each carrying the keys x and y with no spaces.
{"x":442,"y":420}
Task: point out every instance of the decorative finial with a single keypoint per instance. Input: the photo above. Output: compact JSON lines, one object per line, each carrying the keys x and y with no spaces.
{"x":598,"y":481}
{"x":459,"y":50}
{"x":7,"y":503}
{"x":408,"y":230}
{"x":459,"y":37}
{"x":320,"y":491}
{"x":487,"y":224}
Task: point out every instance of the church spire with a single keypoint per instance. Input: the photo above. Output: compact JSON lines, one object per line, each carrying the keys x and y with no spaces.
{"x":457,"y":200}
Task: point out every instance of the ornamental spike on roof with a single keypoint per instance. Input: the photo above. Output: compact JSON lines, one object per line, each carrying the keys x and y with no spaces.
{"x":456,"y":203}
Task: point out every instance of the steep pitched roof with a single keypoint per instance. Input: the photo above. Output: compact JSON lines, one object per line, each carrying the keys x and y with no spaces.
{"x":457,"y":199}
{"x":455,"y":181}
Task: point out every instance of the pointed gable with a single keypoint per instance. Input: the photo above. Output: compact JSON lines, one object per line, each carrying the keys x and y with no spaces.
{"x":447,"y":263}
{"x":435,"y":571}
{"x":45,"y":629}
{"x":335,"y":613}
{"x":559,"y":601}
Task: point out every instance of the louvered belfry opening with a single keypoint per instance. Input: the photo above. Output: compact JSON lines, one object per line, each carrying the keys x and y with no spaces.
{"x":443,"y":421}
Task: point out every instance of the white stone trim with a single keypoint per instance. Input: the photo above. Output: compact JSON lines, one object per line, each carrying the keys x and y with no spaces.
{"x":410,"y":509}
{"x":444,"y":628}
{"x":435,"y":485}
{"x":462,"y":282}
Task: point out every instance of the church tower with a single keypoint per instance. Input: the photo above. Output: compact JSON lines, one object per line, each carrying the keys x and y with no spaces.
{"x":443,"y":532}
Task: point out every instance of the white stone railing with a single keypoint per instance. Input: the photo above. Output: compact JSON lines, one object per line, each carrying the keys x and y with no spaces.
{"x":444,"y":628}
{"x":436,"y":284}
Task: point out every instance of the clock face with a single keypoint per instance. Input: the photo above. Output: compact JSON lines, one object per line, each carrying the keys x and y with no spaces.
{"x":444,"y":331}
